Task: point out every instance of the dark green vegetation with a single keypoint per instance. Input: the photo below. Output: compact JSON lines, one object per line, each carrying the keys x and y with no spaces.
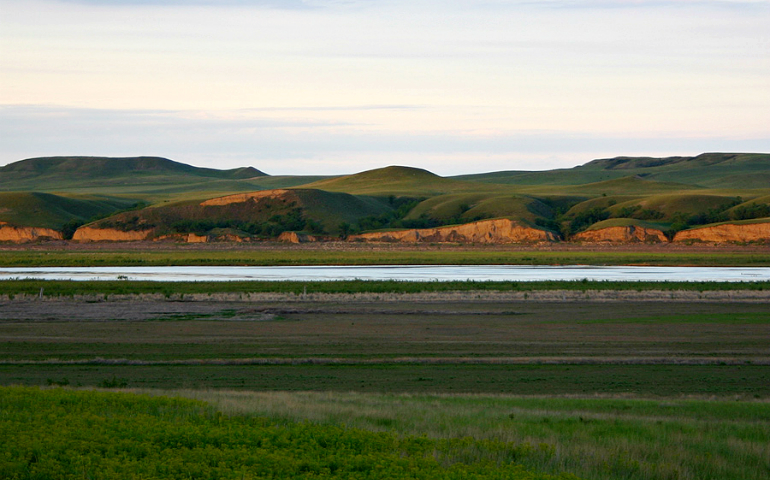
{"x":102,"y":173}
{"x":599,"y":438}
{"x":712,"y":170}
{"x":706,"y":380}
{"x":362,"y":254}
{"x":81,"y":434}
{"x":60,"y":212}
{"x":669,"y":194}
{"x":313,"y":211}
{"x":63,"y":288}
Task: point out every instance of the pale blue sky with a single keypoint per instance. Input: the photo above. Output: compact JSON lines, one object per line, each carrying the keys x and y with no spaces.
{"x":340,"y":86}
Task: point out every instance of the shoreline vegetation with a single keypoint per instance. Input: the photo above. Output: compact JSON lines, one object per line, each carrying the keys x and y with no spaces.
{"x":381,"y":290}
{"x":338,"y":253}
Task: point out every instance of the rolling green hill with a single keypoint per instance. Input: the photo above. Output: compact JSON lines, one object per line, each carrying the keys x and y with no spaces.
{"x":712,"y":170}
{"x":400,"y":181}
{"x":90,"y":168}
{"x":467,"y":207}
{"x":262,"y":214}
{"x":36,"y":209}
{"x":151,"y":177}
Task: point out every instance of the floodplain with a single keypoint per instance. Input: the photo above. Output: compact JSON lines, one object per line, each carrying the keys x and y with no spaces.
{"x":592,"y":379}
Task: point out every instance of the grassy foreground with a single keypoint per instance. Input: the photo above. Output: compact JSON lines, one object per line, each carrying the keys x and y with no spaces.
{"x":67,"y":434}
{"x":363,"y":255}
{"x":61,"y":433}
{"x":599,"y":438}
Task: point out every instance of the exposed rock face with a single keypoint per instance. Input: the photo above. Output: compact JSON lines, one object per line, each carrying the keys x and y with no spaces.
{"x":92,"y":234}
{"x":485,"y":231}
{"x":294,"y":237}
{"x":626,"y":234}
{"x":726,"y":233}
{"x":245,"y":197}
{"x":27,"y":234}
{"x":193,"y":238}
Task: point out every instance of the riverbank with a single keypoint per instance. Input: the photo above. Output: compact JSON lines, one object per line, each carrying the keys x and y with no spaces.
{"x":478,"y":296}
{"x":342,"y":253}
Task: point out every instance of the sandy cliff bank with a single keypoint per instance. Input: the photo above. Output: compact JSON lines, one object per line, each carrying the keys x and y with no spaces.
{"x":12,"y":234}
{"x":485,"y":231}
{"x":93,"y":234}
{"x":727,"y":233}
{"x":622,"y":234}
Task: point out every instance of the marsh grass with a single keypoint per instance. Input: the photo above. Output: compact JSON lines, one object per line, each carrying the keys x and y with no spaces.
{"x":601,"y":438}
{"x":103,"y":289}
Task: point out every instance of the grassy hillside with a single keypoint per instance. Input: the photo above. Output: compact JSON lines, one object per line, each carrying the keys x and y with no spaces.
{"x":151,"y":177}
{"x":85,"y":168}
{"x":628,"y":222}
{"x":264,"y":214}
{"x":468,"y":207}
{"x":678,"y":192}
{"x":36,"y":209}
{"x":714,"y":170}
{"x":400,"y":181}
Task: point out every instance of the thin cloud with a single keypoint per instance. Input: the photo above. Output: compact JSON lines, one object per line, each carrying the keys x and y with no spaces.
{"x":312,"y":146}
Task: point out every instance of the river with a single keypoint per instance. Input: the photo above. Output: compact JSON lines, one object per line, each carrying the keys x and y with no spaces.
{"x":521,"y":273}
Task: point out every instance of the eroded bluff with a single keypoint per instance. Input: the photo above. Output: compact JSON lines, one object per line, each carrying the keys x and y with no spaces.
{"x":726,"y":233}
{"x":13,"y":234}
{"x":93,"y":234}
{"x":485,"y":231}
{"x":622,"y":234}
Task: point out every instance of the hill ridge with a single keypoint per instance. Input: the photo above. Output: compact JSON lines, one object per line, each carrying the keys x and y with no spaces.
{"x":99,"y":166}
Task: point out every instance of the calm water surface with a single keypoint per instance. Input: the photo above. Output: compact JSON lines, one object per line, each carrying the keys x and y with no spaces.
{"x":520,"y":273}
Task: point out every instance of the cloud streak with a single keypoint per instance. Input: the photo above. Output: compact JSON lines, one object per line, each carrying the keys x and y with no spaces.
{"x":281,"y":146}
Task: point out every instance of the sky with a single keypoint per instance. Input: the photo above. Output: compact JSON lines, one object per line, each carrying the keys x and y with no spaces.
{"x":327,"y":87}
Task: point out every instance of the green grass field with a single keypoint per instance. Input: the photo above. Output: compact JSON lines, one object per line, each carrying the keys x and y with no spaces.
{"x":85,"y":434}
{"x":62,"y":433}
{"x":369,"y":255}
{"x":600,"y":438}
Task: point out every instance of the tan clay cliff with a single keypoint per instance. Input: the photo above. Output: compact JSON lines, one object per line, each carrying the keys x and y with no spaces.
{"x":727,"y":233}
{"x":245,"y":197}
{"x":295,"y":237}
{"x":12,"y":234}
{"x":622,"y":234}
{"x":485,"y":231}
{"x":93,"y":234}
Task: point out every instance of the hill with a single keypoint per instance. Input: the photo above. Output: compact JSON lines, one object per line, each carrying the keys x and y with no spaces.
{"x":36,"y":209}
{"x":395,"y":180}
{"x":467,"y":207}
{"x":151,"y":177}
{"x":712,"y":170}
{"x":266,"y":213}
{"x":673,"y":193}
{"x":84,"y":168}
